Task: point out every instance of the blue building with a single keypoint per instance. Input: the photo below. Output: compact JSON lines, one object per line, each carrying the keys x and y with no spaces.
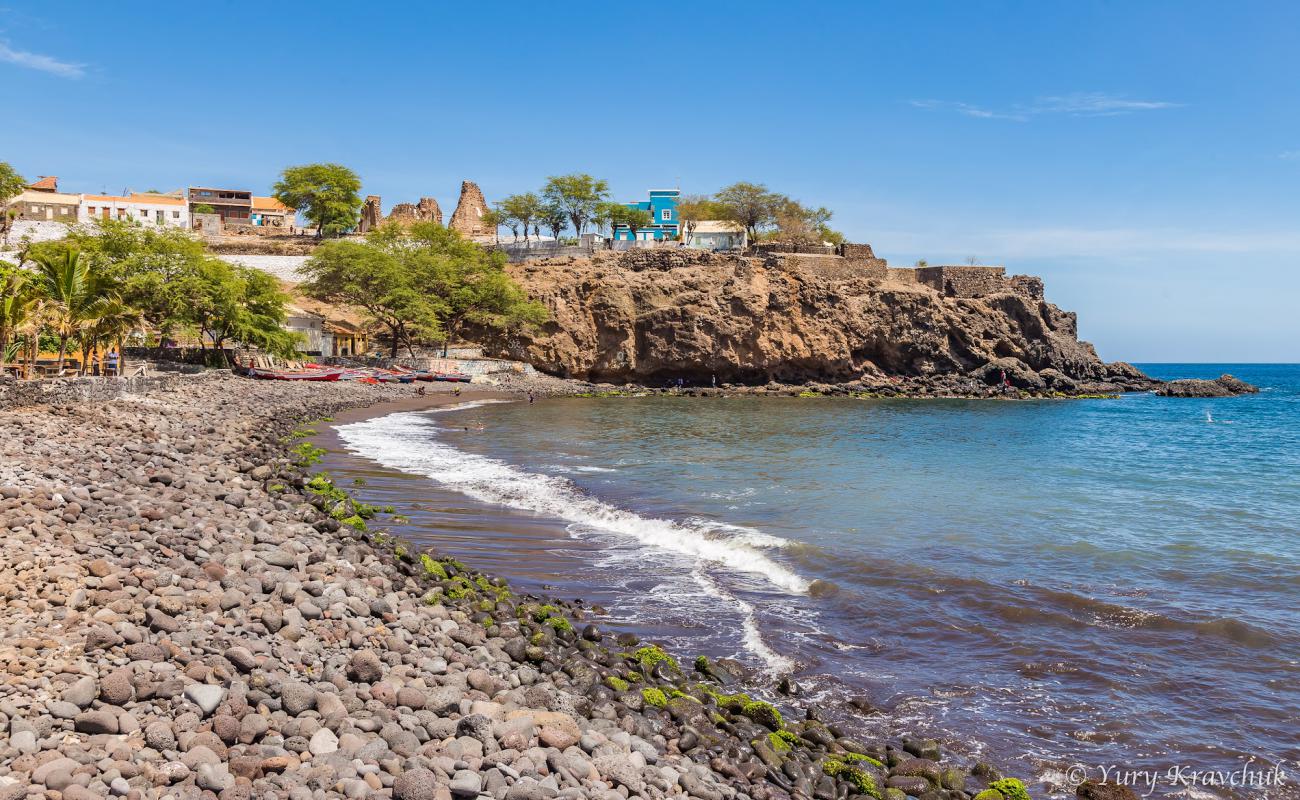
{"x":662,"y":206}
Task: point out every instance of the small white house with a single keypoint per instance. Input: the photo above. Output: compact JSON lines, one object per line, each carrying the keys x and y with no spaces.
{"x":716,"y":235}
{"x":162,"y":210}
{"x":316,"y":340}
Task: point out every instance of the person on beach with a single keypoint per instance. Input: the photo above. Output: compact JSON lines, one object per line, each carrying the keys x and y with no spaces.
{"x":419,"y":390}
{"x":112,"y":363}
{"x":530,"y":397}
{"x":713,"y":381}
{"x":456,"y":391}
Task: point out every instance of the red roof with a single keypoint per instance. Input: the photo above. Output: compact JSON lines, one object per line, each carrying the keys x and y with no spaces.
{"x":48,"y":183}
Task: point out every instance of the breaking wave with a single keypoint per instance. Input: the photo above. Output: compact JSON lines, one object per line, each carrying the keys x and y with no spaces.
{"x":405,"y":441}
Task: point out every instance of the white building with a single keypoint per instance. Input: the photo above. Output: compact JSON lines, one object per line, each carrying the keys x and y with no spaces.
{"x":716,"y":235}
{"x":147,"y":209}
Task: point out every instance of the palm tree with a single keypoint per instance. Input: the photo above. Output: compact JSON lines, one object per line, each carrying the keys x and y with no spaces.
{"x":77,"y":295}
{"x":18,"y":304}
{"x":113,"y":322}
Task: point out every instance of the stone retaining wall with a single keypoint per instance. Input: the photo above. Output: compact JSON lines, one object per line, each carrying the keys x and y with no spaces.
{"x":75,"y":391}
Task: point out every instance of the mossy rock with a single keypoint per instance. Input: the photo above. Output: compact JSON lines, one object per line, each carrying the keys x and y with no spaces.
{"x":432,"y":569}
{"x":651,"y":656}
{"x":616,"y":683}
{"x":1011,"y":789}
{"x":990,"y":794}
{"x":654,"y":697}
{"x":764,"y":714}
{"x":866,"y":759}
{"x":862,"y":781}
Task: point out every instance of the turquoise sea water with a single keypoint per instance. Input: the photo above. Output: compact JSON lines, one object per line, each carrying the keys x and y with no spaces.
{"x":1049,"y":583}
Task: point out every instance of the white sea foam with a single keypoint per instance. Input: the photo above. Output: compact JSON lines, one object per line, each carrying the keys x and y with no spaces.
{"x":752,"y":637}
{"x":405,"y":441}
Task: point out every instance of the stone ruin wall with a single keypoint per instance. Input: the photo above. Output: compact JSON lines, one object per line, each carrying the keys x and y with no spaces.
{"x":977,"y":281}
{"x":467,"y":219}
{"x":372,"y":213}
{"x":427,"y":210}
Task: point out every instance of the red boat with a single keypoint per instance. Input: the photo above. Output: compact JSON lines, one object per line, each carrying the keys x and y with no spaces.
{"x":289,"y":375}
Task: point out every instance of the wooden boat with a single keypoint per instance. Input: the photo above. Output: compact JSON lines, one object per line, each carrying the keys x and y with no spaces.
{"x":451,"y":377}
{"x":291,"y":375}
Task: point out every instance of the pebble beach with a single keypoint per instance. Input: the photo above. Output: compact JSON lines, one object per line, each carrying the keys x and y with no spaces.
{"x":190,"y":611}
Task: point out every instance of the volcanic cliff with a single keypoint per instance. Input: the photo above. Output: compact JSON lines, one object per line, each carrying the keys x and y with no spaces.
{"x":655,"y":315}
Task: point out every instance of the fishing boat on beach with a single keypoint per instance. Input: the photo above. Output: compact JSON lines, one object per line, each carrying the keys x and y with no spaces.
{"x":295,"y":375}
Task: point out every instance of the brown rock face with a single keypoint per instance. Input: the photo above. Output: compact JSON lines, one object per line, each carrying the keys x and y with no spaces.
{"x":652,"y":315}
{"x":467,"y":219}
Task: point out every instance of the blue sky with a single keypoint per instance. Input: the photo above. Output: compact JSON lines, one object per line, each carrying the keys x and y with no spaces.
{"x":1144,"y":158}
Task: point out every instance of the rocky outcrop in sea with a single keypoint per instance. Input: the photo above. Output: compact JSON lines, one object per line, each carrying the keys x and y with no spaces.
{"x":653,"y":316}
{"x":190,"y":611}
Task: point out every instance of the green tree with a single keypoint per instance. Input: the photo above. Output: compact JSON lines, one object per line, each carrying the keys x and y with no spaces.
{"x":77,"y":295}
{"x":616,"y":215}
{"x":11,"y":185}
{"x":328,"y":195}
{"x":578,"y":195}
{"x":204,"y":208}
{"x":470,"y":283}
{"x":148,"y":264}
{"x":750,"y":205}
{"x":227,"y":302}
{"x":525,"y":208}
{"x":798,"y":223}
{"x":377,"y":276}
{"x":18,"y":306}
{"x":420,"y":282}
{"x":496,"y":218}
{"x":553,"y":217}
{"x":696,"y":208}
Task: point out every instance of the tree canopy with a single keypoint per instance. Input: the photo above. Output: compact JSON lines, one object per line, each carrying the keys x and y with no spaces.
{"x":578,"y":196}
{"x":328,"y":195}
{"x":524,"y":209}
{"x":11,"y":185}
{"x":768,"y":214}
{"x":616,"y":214}
{"x":131,"y":275}
{"x":420,"y":282}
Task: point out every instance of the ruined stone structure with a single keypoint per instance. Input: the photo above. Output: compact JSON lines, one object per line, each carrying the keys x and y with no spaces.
{"x":977,"y":281}
{"x":372,"y":213}
{"x":467,"y":219}
{"x":427,"y":210}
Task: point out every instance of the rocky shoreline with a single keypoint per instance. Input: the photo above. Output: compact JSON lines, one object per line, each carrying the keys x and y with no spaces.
{"x":190,"y":611}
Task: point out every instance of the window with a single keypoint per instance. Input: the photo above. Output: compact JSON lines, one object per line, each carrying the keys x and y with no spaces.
{"x":91,"y":211}
{"x":666,"y":214}
{"x":176,"y":215}
{"x":63,"y":212}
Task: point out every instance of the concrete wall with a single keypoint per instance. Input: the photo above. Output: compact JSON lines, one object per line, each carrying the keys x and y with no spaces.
{"x":283,"y":267}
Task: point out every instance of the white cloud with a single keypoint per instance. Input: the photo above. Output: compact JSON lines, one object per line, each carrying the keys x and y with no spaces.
{"x":41,"y":63}
{"x":969,"y":110}
{"x":1078,"y":104}
{"x":1290,"y":155}
{"x":1097,"y":104}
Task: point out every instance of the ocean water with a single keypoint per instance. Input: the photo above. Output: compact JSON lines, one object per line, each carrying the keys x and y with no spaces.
{"x":1053,"y":585}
